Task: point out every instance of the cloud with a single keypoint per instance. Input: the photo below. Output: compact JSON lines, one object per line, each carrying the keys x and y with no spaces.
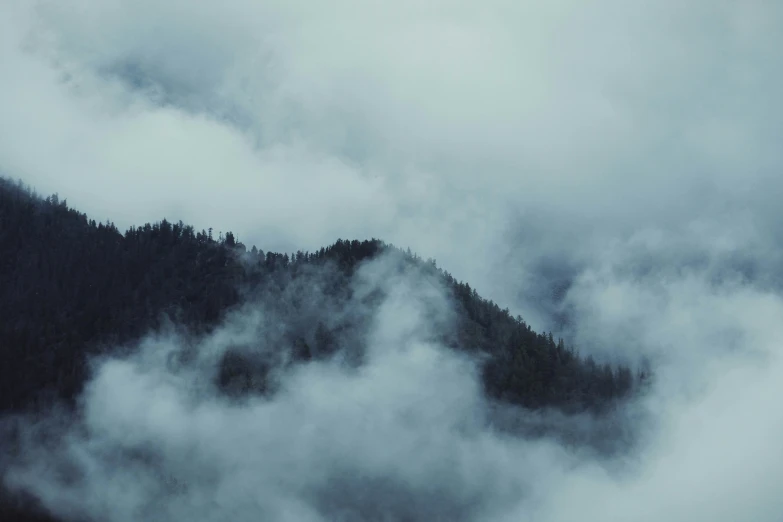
{"x":407,"y":435}
{"x":608,"y":171}
{"x":421,"y":124}
{"x":400,"y":436}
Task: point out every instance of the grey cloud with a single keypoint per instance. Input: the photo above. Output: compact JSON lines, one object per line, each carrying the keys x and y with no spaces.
{"x":401,"y":437}
{"x":609,"y":171}
{"x":602,"y":110}
{"x":407,"y":435}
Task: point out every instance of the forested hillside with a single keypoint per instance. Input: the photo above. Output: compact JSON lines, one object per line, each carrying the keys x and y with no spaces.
{"x":71,"y":287}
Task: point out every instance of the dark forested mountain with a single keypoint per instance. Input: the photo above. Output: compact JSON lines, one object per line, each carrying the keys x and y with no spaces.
{"x":71,"y":288}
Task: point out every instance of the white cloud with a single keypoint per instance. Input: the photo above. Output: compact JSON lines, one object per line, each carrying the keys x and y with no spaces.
{"x":406,"y":434}
{"x":612,"y":114}
{"x":625,"y":151}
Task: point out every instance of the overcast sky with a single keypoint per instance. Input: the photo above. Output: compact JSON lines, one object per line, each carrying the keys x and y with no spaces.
{"x":622,"y":155}
{"x":443,"y":126}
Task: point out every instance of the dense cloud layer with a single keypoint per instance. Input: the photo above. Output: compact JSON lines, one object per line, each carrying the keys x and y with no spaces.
{"x":564,"y":124}
{"x":407,"y":434}
{"x":611,"y":171}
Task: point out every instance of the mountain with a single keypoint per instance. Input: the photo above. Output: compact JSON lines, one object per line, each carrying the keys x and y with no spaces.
{"x":72,"y":289}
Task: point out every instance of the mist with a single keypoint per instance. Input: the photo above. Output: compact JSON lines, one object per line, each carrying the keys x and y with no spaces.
{"x":406,"y":433}
{"x":610,"y":172}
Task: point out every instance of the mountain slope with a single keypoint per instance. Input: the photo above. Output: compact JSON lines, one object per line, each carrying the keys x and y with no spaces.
{"x":71,"y":287}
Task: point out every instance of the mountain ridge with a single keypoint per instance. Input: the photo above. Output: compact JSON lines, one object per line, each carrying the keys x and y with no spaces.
{"x":73,"y":289}
{"x":93,"y":286}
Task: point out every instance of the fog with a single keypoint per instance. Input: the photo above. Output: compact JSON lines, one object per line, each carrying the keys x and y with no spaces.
{"x":610,"y":172}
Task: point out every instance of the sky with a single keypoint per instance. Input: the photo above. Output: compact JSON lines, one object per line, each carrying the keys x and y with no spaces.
{"x":609,"y":170}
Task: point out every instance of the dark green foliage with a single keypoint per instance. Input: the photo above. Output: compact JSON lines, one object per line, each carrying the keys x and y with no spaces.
{"x":15,"y":508}
{"x":240,"y":373}
{"x":71,"y":287}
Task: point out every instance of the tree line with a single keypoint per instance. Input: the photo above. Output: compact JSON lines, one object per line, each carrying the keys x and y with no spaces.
{"x":71,"y":287}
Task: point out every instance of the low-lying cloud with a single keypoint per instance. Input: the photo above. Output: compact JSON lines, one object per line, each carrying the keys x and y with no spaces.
{"x":407,"y":434}
{"x":610,"y":172}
